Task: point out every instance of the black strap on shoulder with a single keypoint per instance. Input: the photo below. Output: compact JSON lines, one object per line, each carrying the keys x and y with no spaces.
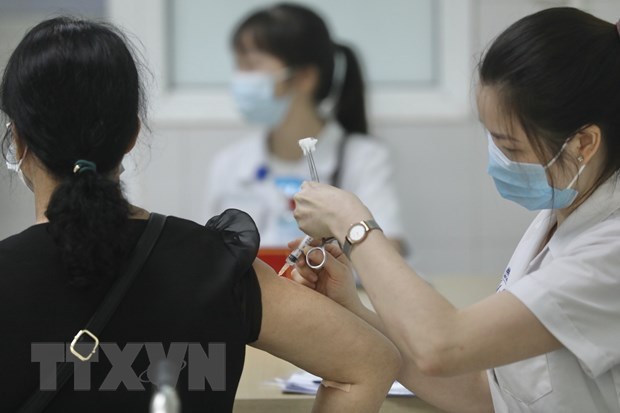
{"x":41,"y":398}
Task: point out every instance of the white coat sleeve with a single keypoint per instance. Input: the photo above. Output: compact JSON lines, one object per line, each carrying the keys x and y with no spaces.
{"x":577,"y":297}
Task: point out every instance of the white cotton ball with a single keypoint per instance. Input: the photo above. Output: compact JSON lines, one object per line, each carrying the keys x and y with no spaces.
{"x":307,"y":145}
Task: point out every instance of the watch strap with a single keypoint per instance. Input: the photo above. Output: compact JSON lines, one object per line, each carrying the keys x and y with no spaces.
{"x":369,"y":224}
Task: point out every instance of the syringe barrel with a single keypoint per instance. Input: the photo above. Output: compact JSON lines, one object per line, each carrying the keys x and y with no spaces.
{"x":293,"y":257}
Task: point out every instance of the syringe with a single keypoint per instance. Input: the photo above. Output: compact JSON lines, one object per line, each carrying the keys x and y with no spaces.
{"x":293,"y":257}
{"x":308,"y":146}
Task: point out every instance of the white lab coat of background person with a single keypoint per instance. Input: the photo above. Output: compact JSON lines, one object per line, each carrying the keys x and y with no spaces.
{"x":245,"y":176}
{"x":572,"y":287}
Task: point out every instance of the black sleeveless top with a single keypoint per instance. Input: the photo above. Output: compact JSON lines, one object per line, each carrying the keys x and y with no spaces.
{"x":197,"y":288}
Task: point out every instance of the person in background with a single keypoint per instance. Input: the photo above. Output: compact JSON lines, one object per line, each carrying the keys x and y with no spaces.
{"x":296,"y":82}
{"x":548,"y":341}
{"x":72,"y":95}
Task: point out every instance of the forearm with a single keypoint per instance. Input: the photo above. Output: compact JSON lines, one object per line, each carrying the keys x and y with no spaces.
{"x":459,"y":394}
{"x":466,"y":393}
{"x":409,"y":311}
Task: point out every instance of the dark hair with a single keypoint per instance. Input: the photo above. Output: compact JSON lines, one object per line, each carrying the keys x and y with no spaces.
{"x":72,"y":91}
{"x":558,"y":71}
{"x":299,"y":37}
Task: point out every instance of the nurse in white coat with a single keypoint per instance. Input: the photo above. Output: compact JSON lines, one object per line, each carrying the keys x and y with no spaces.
{"x":549,"y":340}
{"x":293,"y":80}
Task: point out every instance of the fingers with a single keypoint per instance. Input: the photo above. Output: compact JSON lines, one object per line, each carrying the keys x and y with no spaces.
{"x":315,"y":257}
{"x":309,"y":184}
{"x":298,"y":278}
{"x":305,"y":272}
{"x":334,"y":250}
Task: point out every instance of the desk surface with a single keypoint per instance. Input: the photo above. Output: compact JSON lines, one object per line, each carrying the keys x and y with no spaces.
{"x":258,"y":392}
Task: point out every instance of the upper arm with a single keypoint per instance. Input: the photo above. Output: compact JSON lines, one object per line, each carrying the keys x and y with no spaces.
{"x":576,"y":298}
{"x":316,"y":334}
{"x":496,"y":331}
{"x":570,"y":301}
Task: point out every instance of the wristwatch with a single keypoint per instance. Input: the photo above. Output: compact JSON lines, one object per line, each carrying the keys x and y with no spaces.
{"x":357,"y":233}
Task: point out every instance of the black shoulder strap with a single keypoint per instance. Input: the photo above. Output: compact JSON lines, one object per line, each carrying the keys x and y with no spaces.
{"x":40,"y":399}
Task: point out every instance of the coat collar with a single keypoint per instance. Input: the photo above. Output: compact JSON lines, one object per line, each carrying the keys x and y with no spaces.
{"x":598,"y":207}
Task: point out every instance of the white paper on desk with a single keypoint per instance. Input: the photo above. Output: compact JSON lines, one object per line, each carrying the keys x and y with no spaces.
{"x":306,"y":383}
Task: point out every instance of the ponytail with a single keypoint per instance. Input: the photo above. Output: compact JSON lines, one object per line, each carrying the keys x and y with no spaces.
{"x":351,"y":106}
{"x":88,"y":217}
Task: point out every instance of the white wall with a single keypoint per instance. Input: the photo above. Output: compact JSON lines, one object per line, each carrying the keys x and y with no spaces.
{"x":455,"y":221}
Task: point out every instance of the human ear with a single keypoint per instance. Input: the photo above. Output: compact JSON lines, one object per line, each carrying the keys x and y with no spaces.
{"x":306,"y":79}
{"x":20,"y":145}
{"x":587,"y":143}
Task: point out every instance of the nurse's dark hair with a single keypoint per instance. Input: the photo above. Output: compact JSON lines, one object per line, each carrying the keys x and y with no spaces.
{"x":72,"y":91}
{"x":556,"y":72}
{"x":299,"y":37}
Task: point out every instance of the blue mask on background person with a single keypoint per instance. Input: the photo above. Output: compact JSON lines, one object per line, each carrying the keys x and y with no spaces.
{"x":526,"y":183}
{"x":254,"y":94}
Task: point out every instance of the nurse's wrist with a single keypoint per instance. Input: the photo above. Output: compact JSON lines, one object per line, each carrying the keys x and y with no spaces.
{"x":341,"y":227}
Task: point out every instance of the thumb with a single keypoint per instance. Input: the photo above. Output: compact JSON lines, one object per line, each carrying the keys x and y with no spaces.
{"x":294,"y":243}
{"x":337,"y":253}
{"x":336,"y":268}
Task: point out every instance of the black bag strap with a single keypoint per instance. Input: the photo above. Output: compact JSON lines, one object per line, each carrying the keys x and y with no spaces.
{"x":40,"y":398}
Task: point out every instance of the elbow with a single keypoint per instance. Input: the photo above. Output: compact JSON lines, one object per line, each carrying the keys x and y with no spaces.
{"x":430,"y":364}
{"x":430,"y":356}
{"x":433,"y":350}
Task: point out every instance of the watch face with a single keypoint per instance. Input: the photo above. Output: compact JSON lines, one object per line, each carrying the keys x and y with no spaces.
{"x":357,"y":232}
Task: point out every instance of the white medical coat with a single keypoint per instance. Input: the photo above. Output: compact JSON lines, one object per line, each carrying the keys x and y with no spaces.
{"x":573,"y":287}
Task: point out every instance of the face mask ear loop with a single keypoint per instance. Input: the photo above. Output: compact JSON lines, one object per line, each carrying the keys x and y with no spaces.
{"x":19,"y":164}
{"x":581,"y":168}
{"x":555,"y":158}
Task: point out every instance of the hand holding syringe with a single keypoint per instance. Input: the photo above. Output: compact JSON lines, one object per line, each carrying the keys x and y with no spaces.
{"x":308,"y":146}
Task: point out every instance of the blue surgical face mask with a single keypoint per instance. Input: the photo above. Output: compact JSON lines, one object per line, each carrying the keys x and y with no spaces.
{"x":254,"y":94}
{"x":526,"y":183}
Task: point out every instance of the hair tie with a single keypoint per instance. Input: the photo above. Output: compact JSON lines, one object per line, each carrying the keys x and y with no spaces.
{"x":82,"y":166}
